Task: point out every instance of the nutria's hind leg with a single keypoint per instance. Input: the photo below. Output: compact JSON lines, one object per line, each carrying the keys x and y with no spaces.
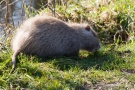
{"x":14,"y":57}
{"x":73,"y":54}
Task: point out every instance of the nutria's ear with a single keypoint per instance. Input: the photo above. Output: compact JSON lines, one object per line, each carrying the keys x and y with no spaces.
{"x":87,"y":28}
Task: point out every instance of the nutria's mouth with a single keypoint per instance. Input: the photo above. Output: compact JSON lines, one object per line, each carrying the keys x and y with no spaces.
{"x":99,"y":46}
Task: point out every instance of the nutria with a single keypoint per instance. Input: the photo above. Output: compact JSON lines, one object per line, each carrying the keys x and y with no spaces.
{"x":48,"y":36}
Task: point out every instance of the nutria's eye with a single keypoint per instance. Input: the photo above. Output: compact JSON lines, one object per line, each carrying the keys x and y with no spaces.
{"x":87,"y":28}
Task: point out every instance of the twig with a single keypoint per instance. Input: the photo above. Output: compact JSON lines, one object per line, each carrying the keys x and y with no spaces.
{"x":8,"y":4}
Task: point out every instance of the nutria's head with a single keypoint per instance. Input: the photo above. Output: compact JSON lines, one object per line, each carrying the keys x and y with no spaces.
{"x":90,"y":40}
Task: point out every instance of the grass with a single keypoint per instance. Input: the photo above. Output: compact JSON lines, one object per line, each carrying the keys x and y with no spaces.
{"x":111,"y":68}
{"x":106,"y":69}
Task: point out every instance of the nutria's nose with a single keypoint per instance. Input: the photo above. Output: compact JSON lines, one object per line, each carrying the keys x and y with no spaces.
{"x":98,"y":47}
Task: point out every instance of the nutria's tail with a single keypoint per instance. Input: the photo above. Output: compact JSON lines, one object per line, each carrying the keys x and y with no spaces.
{"x":14,"y":57}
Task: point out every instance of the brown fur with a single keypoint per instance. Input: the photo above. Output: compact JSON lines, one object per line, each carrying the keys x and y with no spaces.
{"x":48,"y":36}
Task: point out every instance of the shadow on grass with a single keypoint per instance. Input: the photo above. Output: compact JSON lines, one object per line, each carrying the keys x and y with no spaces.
{"x":100,"y":60}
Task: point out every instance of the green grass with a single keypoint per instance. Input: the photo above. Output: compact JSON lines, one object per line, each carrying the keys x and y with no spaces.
{"x":111,"y":68}
{"x":107,"y":69}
